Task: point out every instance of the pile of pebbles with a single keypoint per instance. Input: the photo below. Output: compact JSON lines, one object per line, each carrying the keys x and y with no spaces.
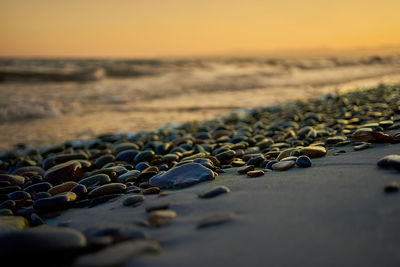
{"x":39,"y":183}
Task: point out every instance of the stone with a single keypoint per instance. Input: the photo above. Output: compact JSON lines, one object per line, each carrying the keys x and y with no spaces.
{"x":215,"y":219}
{"x":80,"y":190}
{"x":55,"y":203}
{"x":392,"y":187}
{"x":127,"y":155}
{"x":68,"y":171}
{"x":255,"y":173}
{"x":303,"y":161}
{"x":270,"y":163}
{"x":151,"y":190}
{"x":361,"y":146}
{"x":107,"y":189}
{"x":98,"y":179}
{"x":41,"y":242}
{"x":159,"y":218}
{"x":6,"y":212}
{"x":182,"y":176}
{"x":283,"y":165}
{"x":11,"y":224}
{"x":336,"y":139}
{"x":390,"y":161}
{"x":39,"y":187}
{"x":118,"y":254}
{"x":215,"y":191}
{"x":245,"y":169}
{"x":133,"y":200}
{"x":285,"y":153}
{"x":13,"y":179}
{"x":146,"y":155}
{"x":8,"y":204}
{"x":28,"y":169}
{"x":19,"y":195}
{"x":103,"y":160}
{"x":35,"y":220}
{"x":130,"y":176}
{"x":62,"y":188}
{"x":313,"y":151}
{"x":102,"y":199}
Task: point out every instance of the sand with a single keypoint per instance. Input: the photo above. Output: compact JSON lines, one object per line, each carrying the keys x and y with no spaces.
{"x":332,"y":214}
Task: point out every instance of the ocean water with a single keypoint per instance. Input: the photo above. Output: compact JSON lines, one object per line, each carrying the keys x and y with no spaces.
{"x":43,"y":101}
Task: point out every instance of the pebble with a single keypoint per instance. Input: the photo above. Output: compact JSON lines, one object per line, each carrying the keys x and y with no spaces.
{"x":215,"y":219}
{"x":118,"y":254}
{"x":151,"y":190}
{"x":392,"y":187}
{"x":13,"y":179}
{"x":98,"y":179}
{"x":283,"y":165}
{"x":245,"y":169}
{"x":41,"y":242}
{"x":6,"y":212}
{"x":159,"y":218}
{"x":55,"y":203}
{"x":255,"y":173}
{"x":390,"y":161}
{"x":129,"y":176}
{"x":215,"y":191}
{"x":183,"y":176}
{"x":313,"y":151}
{"x":11,"y":224}
{"x":107,"y":189}
{"x":39,"y":187}
{"x":103,"y":199}
{"x":133,"y":200}
{"x":362,"y":146}
{"x":68,"y":171}
{"x":62,"y":188}
{"x":19,"y":195}
{"x":303,"y":161}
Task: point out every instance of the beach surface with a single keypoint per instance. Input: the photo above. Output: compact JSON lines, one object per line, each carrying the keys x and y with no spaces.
{"x":136,"y":96}
{"x":332,"y":214}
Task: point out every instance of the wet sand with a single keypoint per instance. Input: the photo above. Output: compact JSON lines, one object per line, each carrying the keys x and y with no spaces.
{"x":332,"y":214}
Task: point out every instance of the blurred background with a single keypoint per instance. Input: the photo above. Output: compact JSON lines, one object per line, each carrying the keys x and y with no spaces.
{"x":75,"y":69}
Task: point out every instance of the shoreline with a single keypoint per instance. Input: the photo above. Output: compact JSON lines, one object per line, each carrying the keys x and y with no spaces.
{"x":176,"y":191}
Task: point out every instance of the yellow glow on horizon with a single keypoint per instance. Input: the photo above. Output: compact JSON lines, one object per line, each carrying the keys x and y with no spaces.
{"x":146,"y":28}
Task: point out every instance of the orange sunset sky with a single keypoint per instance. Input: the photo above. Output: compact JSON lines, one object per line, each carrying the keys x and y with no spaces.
{"x":150,"y":28}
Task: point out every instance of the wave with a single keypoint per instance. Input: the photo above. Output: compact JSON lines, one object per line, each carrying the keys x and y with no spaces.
{"x":83,"y":70}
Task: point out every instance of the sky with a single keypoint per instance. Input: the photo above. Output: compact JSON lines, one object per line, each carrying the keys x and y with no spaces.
{"x":156,"y":28}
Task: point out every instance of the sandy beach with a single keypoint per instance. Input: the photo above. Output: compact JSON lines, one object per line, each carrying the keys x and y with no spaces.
{"x":332,"y":214}
{"x":309,"y":183}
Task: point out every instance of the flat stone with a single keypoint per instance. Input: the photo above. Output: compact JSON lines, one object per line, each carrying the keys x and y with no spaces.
{"x":182,"y":176}
{"x":215,"y":191}
{"x":118,"y":254}
{"x":151,"y":190}
{"x":102,"y":199}
{"x":68,"y":171}
{"x":390,"y":161}
{"x":39,"y":187}
{"x":392,"y":187}
{"x":215,"y":219}
{"x":98,"y":179}
{"x":313,"y":151}
{"x":108,"y":189}
{"x":130,"y":176}
{"x":40,"y":242}
{"x":283,"y":165}
{"x":13,"y":179}
{"x":245,"y":169}
{"x":286,"y":153}
{"x":133,"y":200}
{"x":55,"y":203}
{"x":159,"y":218}
{"x":62,"y":188}
{"x":362,"y":146}
{"x":11,"y":224}
{"x":255,"y":173}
